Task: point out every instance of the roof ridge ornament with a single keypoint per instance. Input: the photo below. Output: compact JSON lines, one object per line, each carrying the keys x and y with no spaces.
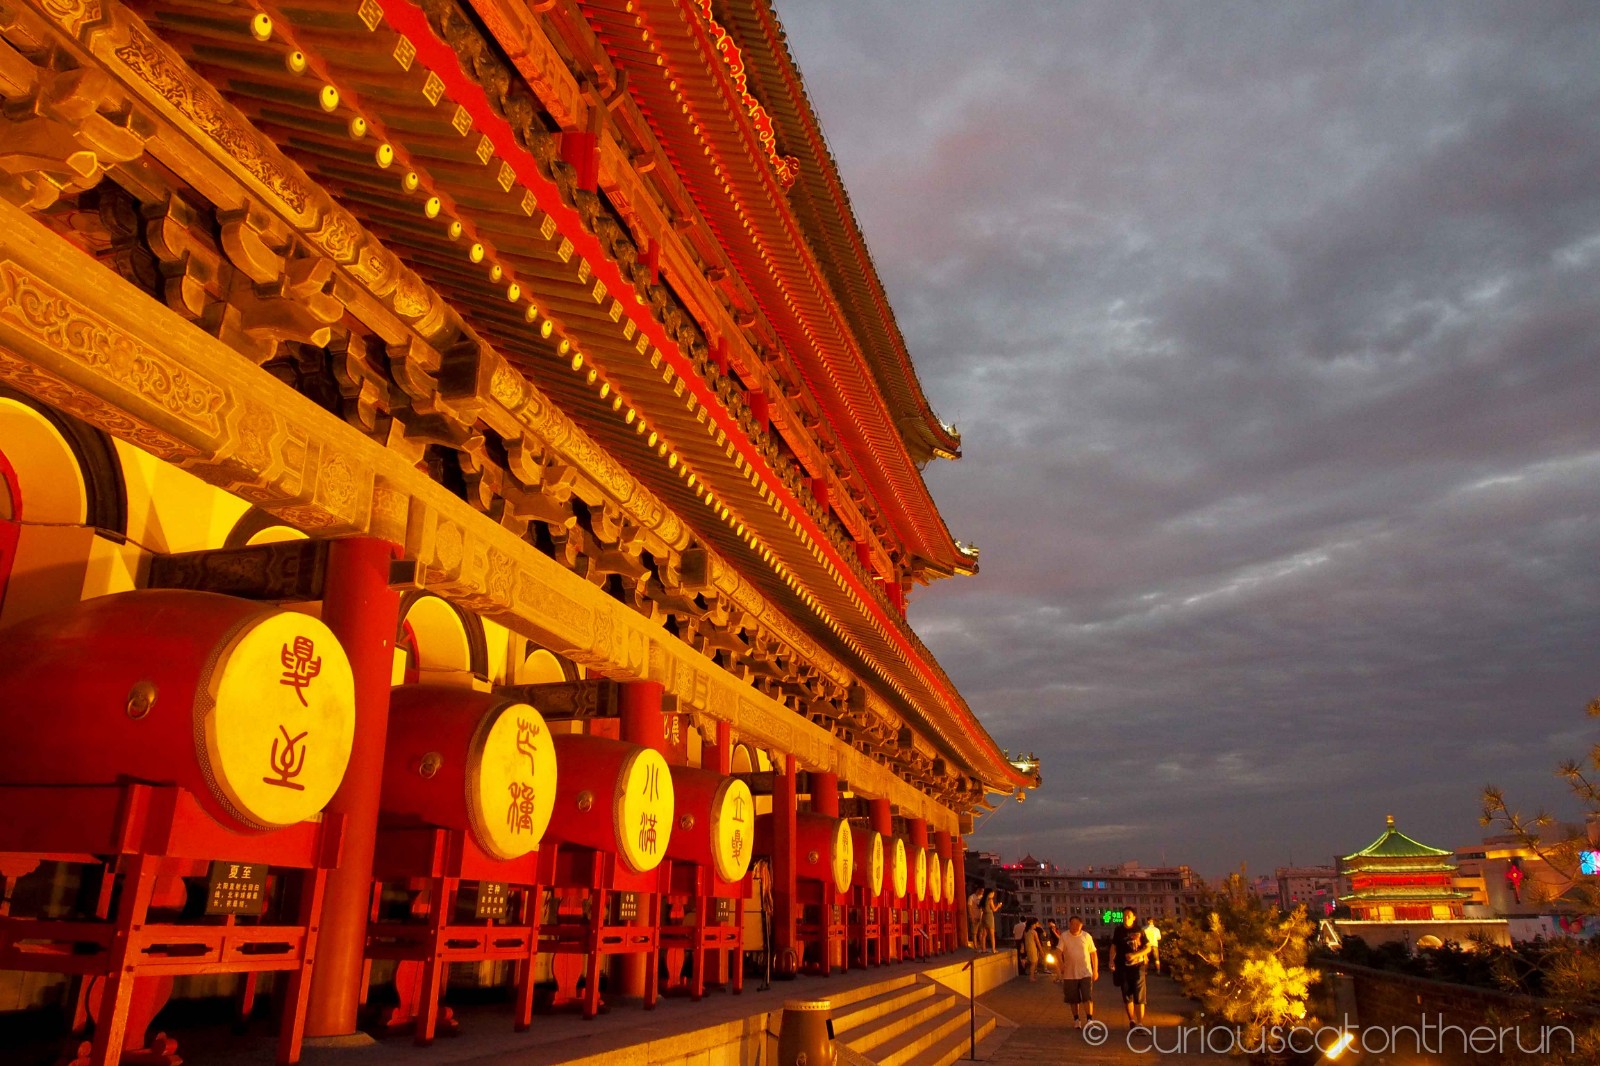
{"x":786,"y":167}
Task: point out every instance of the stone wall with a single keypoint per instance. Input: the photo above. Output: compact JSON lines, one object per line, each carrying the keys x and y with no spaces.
{"x":1455,"y":1025}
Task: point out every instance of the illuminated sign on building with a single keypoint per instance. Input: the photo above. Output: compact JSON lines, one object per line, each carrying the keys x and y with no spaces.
{"x":1110,"y":917}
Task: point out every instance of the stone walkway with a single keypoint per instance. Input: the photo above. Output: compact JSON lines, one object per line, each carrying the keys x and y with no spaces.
{"x":1045,"y":1036}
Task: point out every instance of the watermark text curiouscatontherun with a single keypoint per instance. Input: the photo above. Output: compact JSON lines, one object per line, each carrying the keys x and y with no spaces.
{"x":1432,"y":1035}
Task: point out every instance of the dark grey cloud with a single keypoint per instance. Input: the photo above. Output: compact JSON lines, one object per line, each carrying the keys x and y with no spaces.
{"x":1272,"y":331}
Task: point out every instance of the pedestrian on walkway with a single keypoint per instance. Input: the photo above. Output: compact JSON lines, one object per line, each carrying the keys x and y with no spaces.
{"x":988,"y":903}
{"x":1033,"y":947}
{"x":975,"y":912}
{"x":1079,"y":967}
{"x":1052,"y":947}
{"x":1152,"y":939}
{"x":1129,"y":953}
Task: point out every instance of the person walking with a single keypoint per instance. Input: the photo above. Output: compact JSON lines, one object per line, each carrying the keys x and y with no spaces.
{"x":1128,"y":957}
{"x":1033,"y":948}
{"x":1052,"y":947}
{"x":1152,"y":939}
{"x":1078,"y":963}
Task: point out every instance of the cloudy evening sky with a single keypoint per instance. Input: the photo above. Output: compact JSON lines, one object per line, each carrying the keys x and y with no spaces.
{"x":1272,"y":333}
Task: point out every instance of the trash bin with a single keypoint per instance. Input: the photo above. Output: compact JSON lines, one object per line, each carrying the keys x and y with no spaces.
{"x":805,"y":1034}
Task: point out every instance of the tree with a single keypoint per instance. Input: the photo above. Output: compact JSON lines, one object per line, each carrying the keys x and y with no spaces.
{"x":1563,"y":853}
{"x":1244,"y":960}
{"x":1568,"y":969}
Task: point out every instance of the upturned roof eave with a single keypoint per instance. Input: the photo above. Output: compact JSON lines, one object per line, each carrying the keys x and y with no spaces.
{"x":842,"y":243}
{"x":798,"y":299}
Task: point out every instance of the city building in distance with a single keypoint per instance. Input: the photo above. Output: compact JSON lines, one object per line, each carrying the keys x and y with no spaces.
{"x":1100,"y":894}
{"x":1507,"y":877}
{"x":1314,"y":887}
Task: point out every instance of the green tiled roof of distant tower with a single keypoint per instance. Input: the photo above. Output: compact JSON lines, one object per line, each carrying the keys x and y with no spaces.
{"x":1394,"y":844}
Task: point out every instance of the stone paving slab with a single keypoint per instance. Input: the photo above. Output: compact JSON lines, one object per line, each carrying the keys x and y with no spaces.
{"x":1044,"y":1035}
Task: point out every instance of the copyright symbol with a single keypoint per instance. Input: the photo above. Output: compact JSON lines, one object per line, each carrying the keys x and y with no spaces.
{"x":1095,"y":1033}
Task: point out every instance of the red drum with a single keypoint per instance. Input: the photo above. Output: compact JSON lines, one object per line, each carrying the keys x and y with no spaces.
{"x":248,"y":707}
{"x":868,"y":859}
{"x":715,"y":822}
{"x":823,"y":849}
{"x":615,"y":797}
{"x":472,"y":761}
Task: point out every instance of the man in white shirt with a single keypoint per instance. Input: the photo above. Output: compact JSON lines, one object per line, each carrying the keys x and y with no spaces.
{"x":1079,"y":968}
{"x":1152,"y":937}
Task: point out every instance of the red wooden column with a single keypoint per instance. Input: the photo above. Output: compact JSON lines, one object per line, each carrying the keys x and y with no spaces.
{"x":825,"y":800}
{"x":825,"y":794}
{"x":785,"y":905}
{"x":639,"y":708}
{"x":10,"y":522}
{"x":363,"y":612}
{"x":964,"y":933}
{"x":882,"y":816}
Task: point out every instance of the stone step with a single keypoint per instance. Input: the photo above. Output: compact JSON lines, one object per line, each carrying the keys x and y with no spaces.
{"x":913,"y":1007}
{"x":869,"y":991}
{"x":910,"y":1047}
{"x":954,"y":1046}
{"x":865,"y":1013}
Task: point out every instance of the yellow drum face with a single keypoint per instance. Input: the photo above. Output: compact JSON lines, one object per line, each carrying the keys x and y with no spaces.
{"x":511,"y":781}
{"x":276,"y":720}
{"x":919,"y":874}
{"x":935,"y":876}
{"x":844,"y":857}
{"x":643,"y":810}
{"x":733,"y":816}
{"x":900,"y":873}
{"x":875,"y":882}
{"x":950,"y":880}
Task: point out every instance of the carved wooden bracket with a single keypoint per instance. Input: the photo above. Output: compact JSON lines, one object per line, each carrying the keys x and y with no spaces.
{"x":65,"y":136}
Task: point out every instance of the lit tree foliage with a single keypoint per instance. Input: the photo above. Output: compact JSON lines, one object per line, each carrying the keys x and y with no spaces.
{"x":1244,"y":960}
